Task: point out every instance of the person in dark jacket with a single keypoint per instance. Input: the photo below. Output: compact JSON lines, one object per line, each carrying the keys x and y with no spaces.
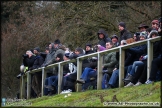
{"x":28,"y":59}
{"x":37,"y":77}
{"x":124,"y":33}
{"x":103,"y":37}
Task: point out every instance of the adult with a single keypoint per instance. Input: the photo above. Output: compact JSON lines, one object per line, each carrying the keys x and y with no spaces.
{"x":124,"y":33}
{"x":114,"y":40}
{"x":102,"y":37}
{"x":142,"y":27}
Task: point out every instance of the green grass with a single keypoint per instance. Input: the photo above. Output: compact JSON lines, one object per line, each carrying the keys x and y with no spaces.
{"x":92,"y":98}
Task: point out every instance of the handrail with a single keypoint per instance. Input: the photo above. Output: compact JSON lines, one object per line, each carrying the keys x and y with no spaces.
{"x":100,"y":54}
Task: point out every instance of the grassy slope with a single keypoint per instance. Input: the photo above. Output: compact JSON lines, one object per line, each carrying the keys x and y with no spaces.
{"x":143,"y":93}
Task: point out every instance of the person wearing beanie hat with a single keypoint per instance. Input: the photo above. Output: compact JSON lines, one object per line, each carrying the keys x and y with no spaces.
{"x":114,"y":40}
{"x":124,"y":33}
{"x":59,"y":57}
{"x":122,"y":24}
{"x":57,"y":41}
{"x":153,"y":33}
{"x":143,"y":35}
{"x":88,"y":49}
{"x":37,"y":49}
{"x":155,"y":24}
{"x":142,"y":27}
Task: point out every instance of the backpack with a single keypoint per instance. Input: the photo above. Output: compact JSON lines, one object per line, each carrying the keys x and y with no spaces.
{"x":105,"y":80}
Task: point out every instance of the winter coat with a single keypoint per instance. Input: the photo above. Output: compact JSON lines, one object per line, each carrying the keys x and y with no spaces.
{"x":110,"y":61}
{"x":50,"y":56}
{"x":124,"y":35}
{"x":103,"y":41}
{"x":28,"y":62}
{"x":38,"y":62}
{"x":61,"y":49}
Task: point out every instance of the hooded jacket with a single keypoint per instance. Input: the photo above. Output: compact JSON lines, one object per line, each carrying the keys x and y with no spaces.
{"x":103,"y":41}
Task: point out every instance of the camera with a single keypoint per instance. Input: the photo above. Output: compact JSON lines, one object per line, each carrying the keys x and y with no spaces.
{"x":25,"y":56}
{"x":19,"y":75}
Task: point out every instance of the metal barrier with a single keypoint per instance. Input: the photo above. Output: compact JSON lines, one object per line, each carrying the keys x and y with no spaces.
{"x":79,"y":60}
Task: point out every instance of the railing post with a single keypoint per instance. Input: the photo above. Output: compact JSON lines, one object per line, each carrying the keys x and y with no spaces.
{"x":150,"y":57}
{"x":28,"y":84}
{"x":43,"y":80}
{"x":121,"y":66}
{"x":99,"y":71}
{"x":60,"y":75}
{"x":79,"y":72}
{"x":22,"y":86}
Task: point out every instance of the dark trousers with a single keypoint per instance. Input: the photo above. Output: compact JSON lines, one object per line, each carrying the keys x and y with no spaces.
{"x":141,"y":73}
{"x":154,"y":68}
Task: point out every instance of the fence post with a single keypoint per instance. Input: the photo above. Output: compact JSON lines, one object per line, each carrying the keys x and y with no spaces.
{"x":150,"y":57}
{"x":79,"y":72}
{"x":43,"y":80}
{"x":28,"y":84}
{"x":22,"y":86}
{"x":60,"y":75}
{"x":99,"y":71}
{"x":121,"y":66}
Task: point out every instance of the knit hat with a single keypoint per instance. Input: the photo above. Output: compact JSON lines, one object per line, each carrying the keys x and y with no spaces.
{"x":122,"y":24}
{"x":143,"y":25}
{"x":37,"y":48}
{"x":153,"y":32}
{"x":144,"y":34}
{"x":114,"y":36}
{"x":57,"y":41}
{"x":67,"y":55}
{"x":79,"y":50}
{"x":59,"y":55}
{"x":89,"y":45}
{"x":155,"y":21}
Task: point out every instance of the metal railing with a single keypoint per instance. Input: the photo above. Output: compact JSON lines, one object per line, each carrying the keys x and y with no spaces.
{"x":79,"y":60}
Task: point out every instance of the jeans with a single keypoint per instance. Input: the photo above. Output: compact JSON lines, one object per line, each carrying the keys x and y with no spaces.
{"x":115,"y":77}
{"x":134,"y":67}
{"x":87,"y":74}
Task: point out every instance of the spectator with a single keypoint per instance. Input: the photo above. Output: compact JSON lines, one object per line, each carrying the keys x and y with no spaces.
{"x":71,"y":79}
{"x":37,"y":77}
{"x":52,"y":80}
{"x":142,"y":27}
{"x":102,"y":37}
{"x":155,"y":24}
{"x":114,"y":40}
{"x":71,"y":69}
{"x":155,"y":65}
{"x":136,"y":36}
{"x":124,"y":33}
{"x":49,"y":58}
